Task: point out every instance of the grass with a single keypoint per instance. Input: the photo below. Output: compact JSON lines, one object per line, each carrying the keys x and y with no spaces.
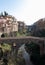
{"x":6,"y":47}
{"x":21,"y":34}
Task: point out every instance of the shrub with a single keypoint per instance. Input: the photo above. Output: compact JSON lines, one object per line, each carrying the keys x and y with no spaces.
{"x":34,"y":51}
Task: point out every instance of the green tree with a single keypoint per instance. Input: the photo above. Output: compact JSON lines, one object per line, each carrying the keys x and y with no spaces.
{"x":34,"y":51}
{"x":5,"y":13}
{"x":32,"y":48}
{"x":39,"y":33}
{"x":1,"y":14}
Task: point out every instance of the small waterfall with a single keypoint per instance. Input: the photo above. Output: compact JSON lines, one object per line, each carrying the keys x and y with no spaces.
{"x":26,"y":56}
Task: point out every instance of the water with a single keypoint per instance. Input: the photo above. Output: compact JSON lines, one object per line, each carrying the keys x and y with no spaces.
{"x":26,"y":56}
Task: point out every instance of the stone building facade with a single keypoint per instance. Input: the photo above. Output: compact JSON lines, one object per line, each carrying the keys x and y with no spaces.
{"x":21,"y":26}
{"x":8,"y":24}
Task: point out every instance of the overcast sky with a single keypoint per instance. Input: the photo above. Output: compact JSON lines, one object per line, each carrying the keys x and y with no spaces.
{"x":28,"y":11}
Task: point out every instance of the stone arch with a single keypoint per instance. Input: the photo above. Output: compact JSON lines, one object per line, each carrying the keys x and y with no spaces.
{"x":2,"y":35}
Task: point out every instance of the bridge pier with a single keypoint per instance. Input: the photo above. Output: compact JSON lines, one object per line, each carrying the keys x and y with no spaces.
{"x":41,"y":52}
{"x":44,"y":47}
{"x":41,"y":43}
{"x":41,"y":49}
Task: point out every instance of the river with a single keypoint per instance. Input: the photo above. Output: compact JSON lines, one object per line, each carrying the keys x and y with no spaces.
{"x":25,"y":55}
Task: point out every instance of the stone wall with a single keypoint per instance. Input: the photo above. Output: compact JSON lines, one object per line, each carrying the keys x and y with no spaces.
{"x":23,"y":40}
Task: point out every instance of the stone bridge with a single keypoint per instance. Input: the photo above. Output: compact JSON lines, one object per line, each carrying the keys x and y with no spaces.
{"x":18,"y":41}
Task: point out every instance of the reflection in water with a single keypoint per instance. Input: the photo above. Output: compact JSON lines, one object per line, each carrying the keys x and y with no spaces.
{"x":25,"y":55}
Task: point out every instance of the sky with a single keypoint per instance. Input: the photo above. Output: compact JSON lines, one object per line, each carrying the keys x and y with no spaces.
{"x":28,"y":11}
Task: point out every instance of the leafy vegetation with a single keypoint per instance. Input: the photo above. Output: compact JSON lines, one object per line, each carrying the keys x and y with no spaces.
{"x":3,"y":14}
{"x":20,"y":34}
{"x":32,"y":48}
{"x":6,"y":47}
{"x":39,"y":33}
{"x":34,"y":51}
{"x":8,"y":57}
{"x":38,"y":28}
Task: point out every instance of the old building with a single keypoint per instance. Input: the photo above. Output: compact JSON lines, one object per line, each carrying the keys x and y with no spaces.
{"x":8,"y":24}
{"x":21,"y":26}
